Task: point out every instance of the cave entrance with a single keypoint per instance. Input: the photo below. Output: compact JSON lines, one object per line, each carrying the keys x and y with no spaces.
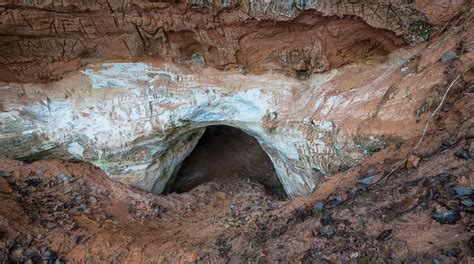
{"x":224,"y":153}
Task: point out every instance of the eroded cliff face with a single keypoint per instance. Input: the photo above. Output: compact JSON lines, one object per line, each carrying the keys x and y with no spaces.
{"x":362,"y":108}
{"x":130,"y":87}
{"x":43,"y":40}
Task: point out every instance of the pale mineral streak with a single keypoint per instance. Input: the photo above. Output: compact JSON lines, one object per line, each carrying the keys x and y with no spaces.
{"x":138,"y":121}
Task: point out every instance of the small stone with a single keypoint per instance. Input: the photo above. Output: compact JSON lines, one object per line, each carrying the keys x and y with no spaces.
{"x":5,"y":174}
{"x":92,"y":200}
{"x":447,"y":217}
{"x":244,"y":69}
{"x":385,"y":235}
{"x":32,"y":254}
{"x":241,"y":220}
{"x":446,"y":107}
{"x":40,"y":172}
{"x":368,"y":180}
{"x":462,"y":190}
{"x":197,"y":60}
{"x":448,"y":56}
{"x":326,"y":220}
{"x":59,"y":261}
{"x":50,"y":225}
{"x":441,"y":179}
{"x":56,"y":207}
{"x":318,"y":206}
{"x":327,"y":231}
{"x":463,"y":154}
{"x":34,"y":182}
{"x":104,"y":192}
{"x":436,"y":261}
{"x":453,"y":252}
{"x":413,"y":161}
{"x":467,"y":202}
{"x":46,"y":254}
{"x":49,"y":256}
{"x":77,"y":239}
{"x":64,"y":178}
{"x":334,"y":202}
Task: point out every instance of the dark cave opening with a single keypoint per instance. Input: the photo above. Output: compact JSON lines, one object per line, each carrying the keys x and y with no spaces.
{"x":224,"y":153}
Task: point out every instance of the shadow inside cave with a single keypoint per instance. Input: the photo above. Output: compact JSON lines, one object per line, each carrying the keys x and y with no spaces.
{"x":225,"y":153}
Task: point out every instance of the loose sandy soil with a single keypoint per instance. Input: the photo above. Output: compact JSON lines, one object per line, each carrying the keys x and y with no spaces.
{"x":56,"y":210}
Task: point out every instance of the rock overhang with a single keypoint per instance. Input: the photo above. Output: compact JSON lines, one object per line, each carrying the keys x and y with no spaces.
{"x":44,"y":41}
{"x":138,"y":121}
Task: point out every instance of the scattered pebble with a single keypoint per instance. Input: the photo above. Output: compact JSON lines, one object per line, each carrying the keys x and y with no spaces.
{"x":93,"y":200}
{"x":334,"y":202}
{"x":64,"y":178}
{"x":50,"y":225}
{"x":441,"y":178}
{"x":327,"y":231}
{"x":446,"y":107}
{"x":77,"y":239}
{"x":453,"y":252}
{"x":462,"y":190}
{"x":5,"y":174}
{"x":463,"y":154}
{"x":436,"y":261}
{"x":326,"y":219}
{"x":448,"y":56}
{"x":34,"y":182}
{"x":368,"y":180}
{"x":318,"y":206}
{"x":447,"y":217}
{"x":413,"y":161}
{"x":467,"y":202}
{"x":50,"y":257}
{"x":385,"y":235}
{"x":40,"y":172}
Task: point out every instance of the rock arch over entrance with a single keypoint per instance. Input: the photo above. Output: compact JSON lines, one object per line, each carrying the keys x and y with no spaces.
{"x":138,"y":121}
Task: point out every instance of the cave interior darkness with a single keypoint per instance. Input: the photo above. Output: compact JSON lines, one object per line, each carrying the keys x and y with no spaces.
{"x":224,"y":153}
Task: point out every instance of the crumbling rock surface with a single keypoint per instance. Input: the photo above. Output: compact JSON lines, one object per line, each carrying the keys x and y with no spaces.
{"x":43,"y":40}
{"x":138,"y":121}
